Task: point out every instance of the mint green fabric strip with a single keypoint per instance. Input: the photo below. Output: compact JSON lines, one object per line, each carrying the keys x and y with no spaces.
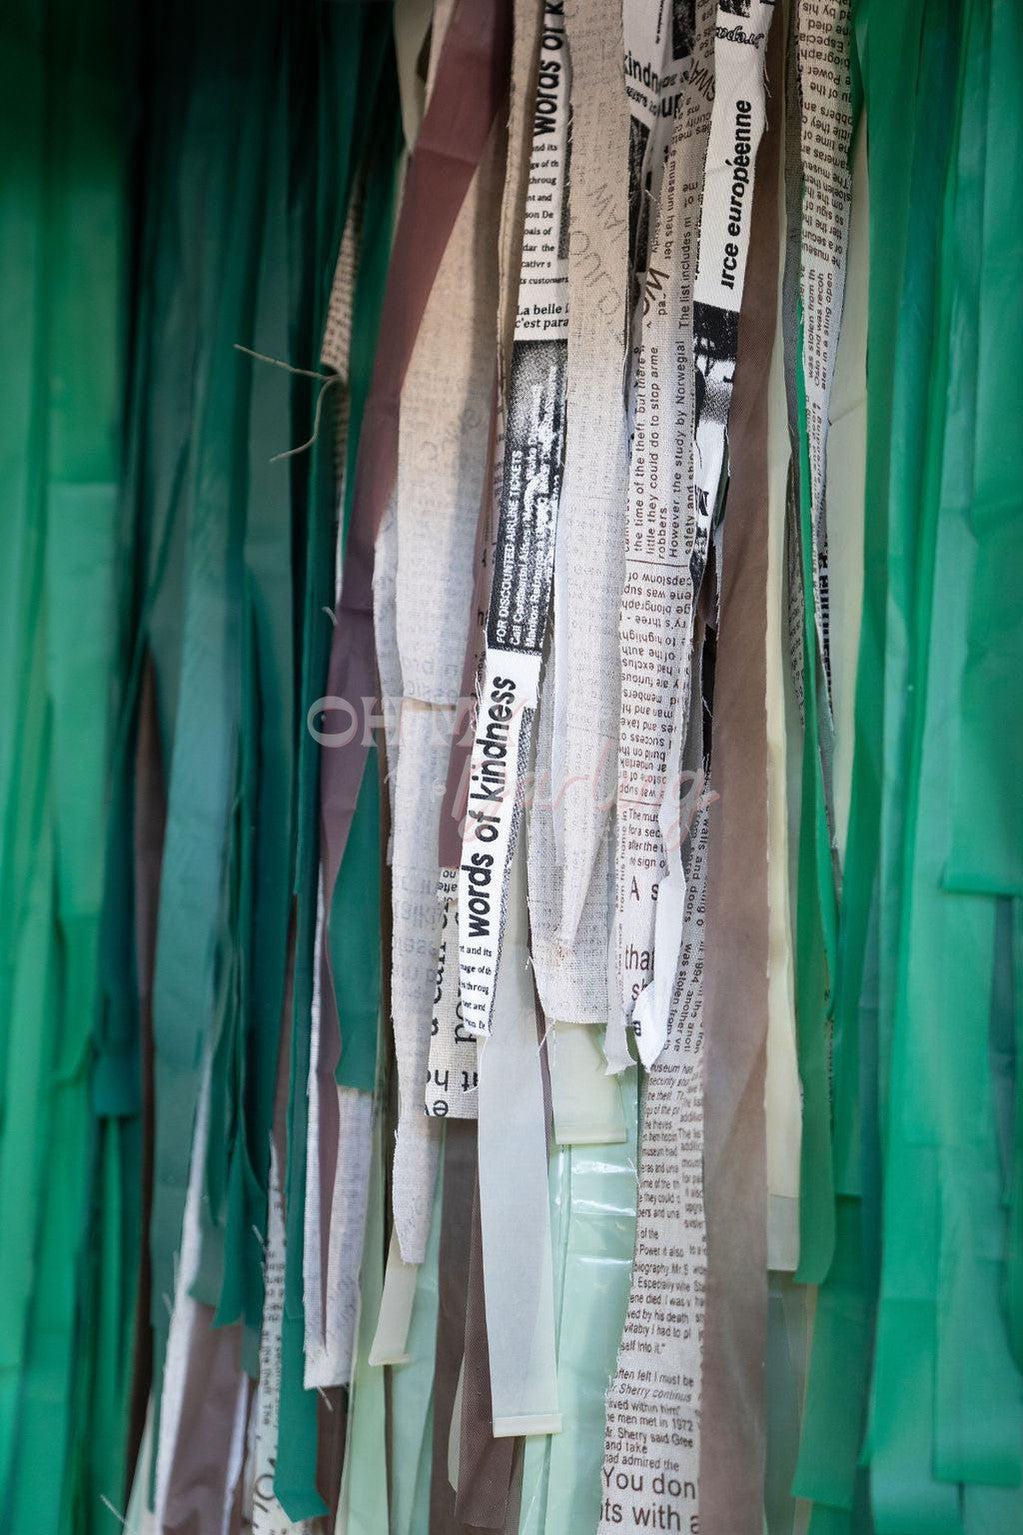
{"x":597,"y":1267}
{"x":536,"y":1451}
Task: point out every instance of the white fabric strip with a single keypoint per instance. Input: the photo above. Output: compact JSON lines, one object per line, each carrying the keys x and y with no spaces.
{"x":346,"y":1238}
{"x":236,"y":1454}
{"x":422,"y":765}
{"x":391,"y":1337}
{"x":571,"y":977}
{"x":586,"y":1102}
{"x":139,"y":1518}
{"x":518,"y":1273}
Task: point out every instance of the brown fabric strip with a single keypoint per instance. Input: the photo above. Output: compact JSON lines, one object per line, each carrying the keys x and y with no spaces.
{"x":332,"y":1431}
{"x":453,"y":136}
{"x":455,"y":1233}
{"x":198,"y":1491}
{"x":485,"y":1464}
{"x":149,"y":824}
{"x":733,"y":1427}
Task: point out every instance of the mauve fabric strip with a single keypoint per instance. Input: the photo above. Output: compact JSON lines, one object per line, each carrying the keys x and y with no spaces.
{"x":149,"y":822}
{"x":485,"y":1464}
{"x":332,"y":1424}
{"x":198,"y":1492}
{"x":453,"y":136}
{"x":733,"y":1419}
{"x":455,"y":1233}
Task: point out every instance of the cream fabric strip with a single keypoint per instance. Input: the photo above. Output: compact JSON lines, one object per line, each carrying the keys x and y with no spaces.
{"x":586,"y":1101}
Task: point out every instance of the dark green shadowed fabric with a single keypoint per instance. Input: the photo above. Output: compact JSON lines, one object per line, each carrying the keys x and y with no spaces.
{"x":66,"y":1275}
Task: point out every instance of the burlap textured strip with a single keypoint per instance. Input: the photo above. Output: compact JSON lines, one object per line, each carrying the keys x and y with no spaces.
{"x":736,"y":997}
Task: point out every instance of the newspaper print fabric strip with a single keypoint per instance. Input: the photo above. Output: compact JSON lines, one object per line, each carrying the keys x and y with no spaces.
{"x":520,"y":595}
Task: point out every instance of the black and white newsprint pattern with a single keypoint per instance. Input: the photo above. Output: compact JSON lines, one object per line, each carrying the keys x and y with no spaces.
{"x":524,"y":557}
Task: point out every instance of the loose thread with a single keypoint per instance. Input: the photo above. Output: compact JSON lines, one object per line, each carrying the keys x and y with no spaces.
{"x":278,"y":362}
{"x":117,"y":1515}
{"x":326,"y":381}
